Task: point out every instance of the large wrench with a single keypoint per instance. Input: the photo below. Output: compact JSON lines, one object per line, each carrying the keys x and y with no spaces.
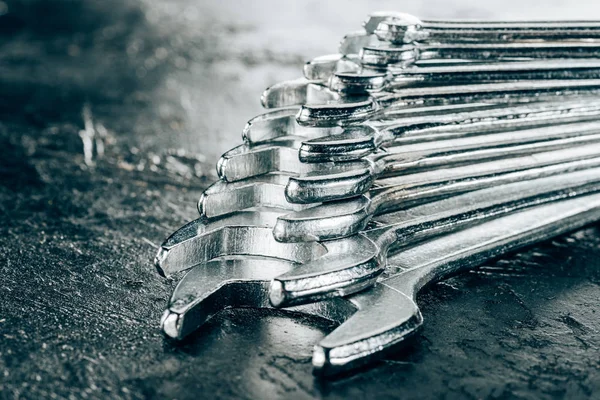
{"x":353,"y":262}
{"x":381,"y":318}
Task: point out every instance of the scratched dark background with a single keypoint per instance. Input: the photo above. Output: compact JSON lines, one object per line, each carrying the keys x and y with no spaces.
{"x":112,"y":115}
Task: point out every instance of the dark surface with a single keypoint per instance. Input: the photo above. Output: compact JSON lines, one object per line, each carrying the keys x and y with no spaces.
{"x":165,"y":89}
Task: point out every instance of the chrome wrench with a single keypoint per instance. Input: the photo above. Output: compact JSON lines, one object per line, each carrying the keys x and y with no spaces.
{"x":374,"y":321}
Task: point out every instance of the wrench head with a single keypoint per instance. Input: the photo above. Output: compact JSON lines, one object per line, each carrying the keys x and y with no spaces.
{"x":323,"y":67}
{"x":404,"y":29}
{"x":385,"y":319}
{"x":343,"y":112}
{"x":341,"y":181}
{"x":244,"y":233}
{"x":296,"y":92}
{"x":353,"y":83}
{"x":218,"y":284}
{"x":381,"y":56}
{"x":265,"y":191}
{"x":328,"y":221}
{"x":245,"y":161}
{"x":280,"y":122}
{"x":353,"y":42}
{"x":375,"y":19}
{"x":350,"y":265}
{"x":356,"y":142}
{"x":279,"y":155}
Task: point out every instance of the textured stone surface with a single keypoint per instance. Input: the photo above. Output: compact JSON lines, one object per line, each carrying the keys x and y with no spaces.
{"x":164,"y":89}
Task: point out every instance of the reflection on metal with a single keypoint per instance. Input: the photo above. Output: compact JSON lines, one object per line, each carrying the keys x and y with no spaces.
{"x":420,"y":150}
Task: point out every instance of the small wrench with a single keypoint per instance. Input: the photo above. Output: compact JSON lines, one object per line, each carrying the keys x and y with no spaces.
{"x":404,"y":28}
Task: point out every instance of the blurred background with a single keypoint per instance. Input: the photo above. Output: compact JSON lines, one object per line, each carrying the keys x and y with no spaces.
{"x":112,"y":116}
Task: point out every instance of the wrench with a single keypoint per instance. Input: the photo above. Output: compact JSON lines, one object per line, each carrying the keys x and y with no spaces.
{"x":365,"y":81}
{"x":356,"y":109}
{"x":373,"y":321}
{"x":223,"y":198}
{"x":243,"y":162}
{"x":282,"y":122}
{"x":436,"y":132}
{"x":404,"y":28}
{"x":382,"y":56}
{"x":349,"y":179}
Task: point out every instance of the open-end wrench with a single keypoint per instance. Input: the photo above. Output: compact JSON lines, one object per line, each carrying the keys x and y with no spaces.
{"x":366,"y":81}
{"x":247,"y":233}
{"x":378,"y":319}
{"x":357,"y":141}
{"x":355,"y":109}
{"x":344,"y":272}
{"x":282,"y":121}
{"x":405,"y":28}
{"x":245,"y":161}
{"x":382,"y":56}
{"x":336,"y":183}
{"x":410,"y":136}
{"x":351,"y":215}
{"x":338,"y":219}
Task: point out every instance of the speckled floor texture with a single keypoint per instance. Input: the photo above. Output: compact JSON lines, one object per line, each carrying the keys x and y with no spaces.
{"x":112,"y":116}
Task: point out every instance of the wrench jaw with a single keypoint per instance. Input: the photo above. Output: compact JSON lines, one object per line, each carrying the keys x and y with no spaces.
{"x":246,"y":161}
{"x":296,"y":92}
{"x":371,"y":24}
{"x":406,"y":29}
{"x":334,"y":220}
{"x":350,"y":265}
{"x":245,"y":233}
{"x":381,"y":57}
{"x":352,"y":43}
{"x":324,"y":67}
{"x":355,"y":143}
{"x":216,"y":285}
{"x":344,"y":112}
{"x":385,"y":319}
{"x":280,"y":122}
{"x":344,"y":180}
{"x":358,"y":83}
{"x":265,"y":191}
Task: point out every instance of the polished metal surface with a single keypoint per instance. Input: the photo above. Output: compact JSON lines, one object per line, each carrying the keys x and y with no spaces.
{"x":385,"y":316}
{"x":390,"y":166}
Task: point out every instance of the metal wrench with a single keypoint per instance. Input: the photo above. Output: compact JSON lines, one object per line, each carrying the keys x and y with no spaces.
{"x":353,"y":178}
{"x":332,"y":220}
{"x":356,"y":109}
{"x":404,"y":28}
{"x":282,"y":122}
{"x":245,"y":161}
{"x":343,"y":272}
{"x":371,"y":85}
{"x":384,"y":316}
{"x":420,"y":134}
{"x":365,"y":81}
{"x":357,"y":141}
{"x":382,"y":56}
